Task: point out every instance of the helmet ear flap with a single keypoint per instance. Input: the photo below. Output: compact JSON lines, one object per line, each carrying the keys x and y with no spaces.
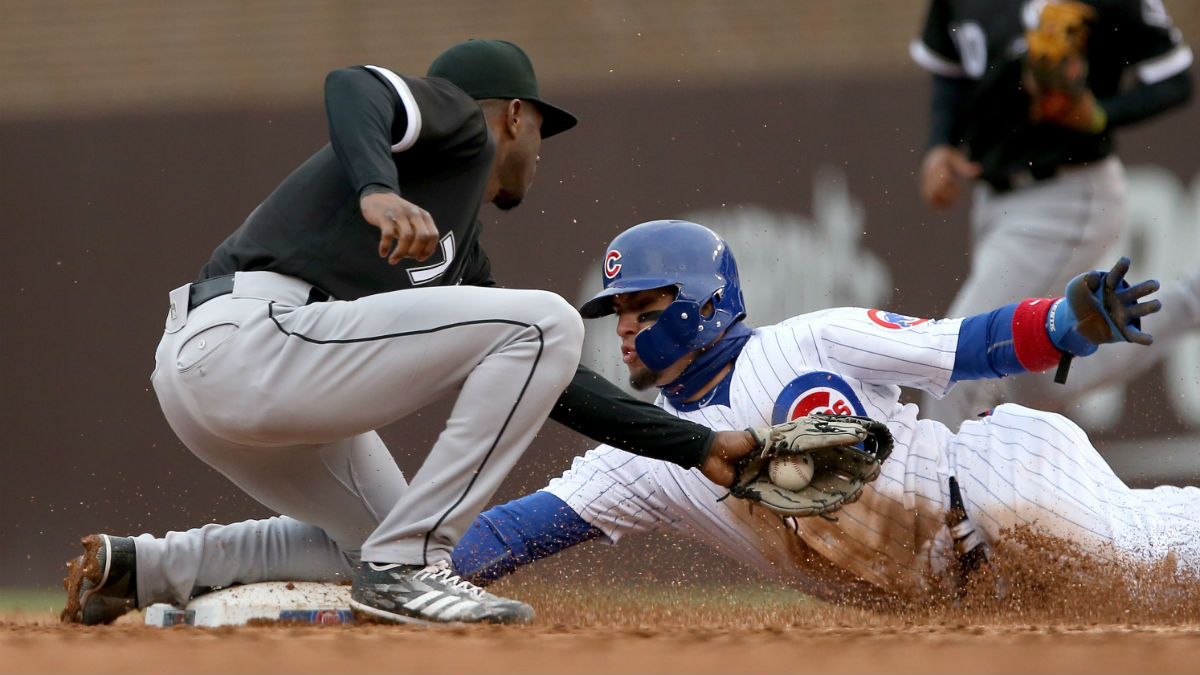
{"x":672,"y":336}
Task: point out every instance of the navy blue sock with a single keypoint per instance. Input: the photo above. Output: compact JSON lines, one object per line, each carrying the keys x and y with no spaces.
{"x":508,"y":536}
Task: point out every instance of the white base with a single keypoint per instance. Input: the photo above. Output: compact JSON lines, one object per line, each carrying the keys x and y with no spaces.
{"x":298,"y":601}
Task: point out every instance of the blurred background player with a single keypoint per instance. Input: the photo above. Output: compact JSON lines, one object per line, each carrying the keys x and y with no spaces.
{"x":1026,"y":98}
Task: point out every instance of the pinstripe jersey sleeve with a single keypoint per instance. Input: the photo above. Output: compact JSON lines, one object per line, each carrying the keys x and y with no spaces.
{"x":870,"y":345}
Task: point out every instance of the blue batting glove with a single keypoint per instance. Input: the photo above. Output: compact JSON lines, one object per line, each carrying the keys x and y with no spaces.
{"x":1101,"y":307}
{"x":1063,"y":328}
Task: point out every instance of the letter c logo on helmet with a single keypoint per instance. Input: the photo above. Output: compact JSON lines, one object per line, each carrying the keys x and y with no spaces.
{"x":611,"y":267}
{"x":690,"y":257}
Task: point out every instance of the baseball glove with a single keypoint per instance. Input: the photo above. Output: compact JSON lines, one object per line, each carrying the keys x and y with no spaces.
{"x":846,"y":453}
{"x":1056,"y":68}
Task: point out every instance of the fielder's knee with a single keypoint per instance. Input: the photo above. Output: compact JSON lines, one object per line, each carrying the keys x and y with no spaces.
{"x":561,"y":325}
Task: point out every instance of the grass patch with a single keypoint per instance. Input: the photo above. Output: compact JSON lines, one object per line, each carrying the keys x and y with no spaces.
{"x":31,"y":600}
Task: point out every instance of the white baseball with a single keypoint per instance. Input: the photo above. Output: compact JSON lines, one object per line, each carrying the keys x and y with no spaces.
{"x":791,"y":473}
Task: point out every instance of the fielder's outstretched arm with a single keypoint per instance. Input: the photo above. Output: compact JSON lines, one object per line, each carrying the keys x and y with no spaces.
{"x":602,"y":411}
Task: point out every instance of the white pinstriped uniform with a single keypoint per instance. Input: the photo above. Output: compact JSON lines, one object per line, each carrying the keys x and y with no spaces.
{"x":1016,"y":466}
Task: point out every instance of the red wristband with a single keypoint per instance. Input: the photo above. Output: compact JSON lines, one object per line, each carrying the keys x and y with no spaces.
{"x":1030,"y":340}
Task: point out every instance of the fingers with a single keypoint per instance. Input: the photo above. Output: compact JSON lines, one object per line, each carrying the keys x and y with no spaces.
{"x":427,"y":236}
{"x":418,"y":236}
{"x":413,"y":234}
{"x":934,"y":188}
{"x":939,"y":192}
{"x":941,"y":171}
{"x":405,"y":229}
{"x":402,"y":234}
{"x":1134,"y":293}
{"x":728,"y":447}
{"x":964,"y":167}
{"x":1117,"y":273}
{"x":386,"y":240}
{"x":1127,"y":321}
{"x":1129,"y":311}
{"x":1144,"y":308}
{"x":1135,"y":335}
{"x":718,"y":472}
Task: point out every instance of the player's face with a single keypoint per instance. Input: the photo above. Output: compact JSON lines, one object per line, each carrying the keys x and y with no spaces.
{"x":520,"y":157}
{"x":637,"y":312}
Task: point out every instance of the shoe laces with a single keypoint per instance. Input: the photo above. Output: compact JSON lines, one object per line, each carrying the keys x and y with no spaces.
{"x":440,"y":571}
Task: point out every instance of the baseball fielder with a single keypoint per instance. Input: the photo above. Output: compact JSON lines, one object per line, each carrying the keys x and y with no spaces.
{"x":1017,"y":466}
{"x":354,"y":295}
{"x":1026,"y":98}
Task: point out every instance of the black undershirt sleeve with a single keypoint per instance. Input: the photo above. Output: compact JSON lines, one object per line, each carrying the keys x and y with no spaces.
{"x":600,"y":410}
{"x":946,"y":102}
{"x":1145,"y":100}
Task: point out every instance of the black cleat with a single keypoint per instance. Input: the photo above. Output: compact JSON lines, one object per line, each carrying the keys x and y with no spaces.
{"x":102,"y":583}
{"x":427,"y":595}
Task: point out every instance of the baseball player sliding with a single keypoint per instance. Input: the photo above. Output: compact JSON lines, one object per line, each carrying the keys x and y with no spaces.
{"x":674,"y":288}
{"x":1016,"y":466}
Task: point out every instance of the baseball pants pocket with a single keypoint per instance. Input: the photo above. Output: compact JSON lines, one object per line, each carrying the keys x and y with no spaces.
{"x":202,"y":344}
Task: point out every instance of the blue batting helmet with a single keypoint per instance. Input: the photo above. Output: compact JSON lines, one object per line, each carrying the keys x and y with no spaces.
{"x":690,"y":257}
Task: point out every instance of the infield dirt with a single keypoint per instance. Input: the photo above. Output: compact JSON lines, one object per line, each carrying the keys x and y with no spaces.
{"x":1060,"y":613}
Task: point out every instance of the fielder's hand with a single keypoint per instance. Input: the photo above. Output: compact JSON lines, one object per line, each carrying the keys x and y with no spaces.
{"x":728,"y":448}
{"x":846,"y":453}
{"x":406,"y":230}
{"x":942,"y":173}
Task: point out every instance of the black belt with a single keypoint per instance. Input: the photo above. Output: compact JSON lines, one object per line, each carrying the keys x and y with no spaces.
{"x":203,"y":291}
{"x":1020,"y":179}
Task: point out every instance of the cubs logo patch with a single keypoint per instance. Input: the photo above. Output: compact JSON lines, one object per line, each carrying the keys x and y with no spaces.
{"x":611,"y":267}
{"x":893,"y":321}
{"x":321,"y":616}
{"x":815,"y":392}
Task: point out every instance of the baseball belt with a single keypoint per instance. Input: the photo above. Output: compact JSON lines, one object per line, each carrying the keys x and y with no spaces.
{"x":214,"y":287}
{"x":1019,"y":179}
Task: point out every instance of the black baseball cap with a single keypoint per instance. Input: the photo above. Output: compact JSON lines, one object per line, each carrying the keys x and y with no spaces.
{"x":498,"y":69}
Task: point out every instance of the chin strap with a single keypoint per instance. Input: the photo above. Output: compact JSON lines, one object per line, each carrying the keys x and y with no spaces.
{"x":708,"y":363}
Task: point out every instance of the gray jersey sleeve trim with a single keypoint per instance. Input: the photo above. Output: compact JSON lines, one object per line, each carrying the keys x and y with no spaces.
{"x":1168,"y":65}
{"x":410,"y":109}
{"x":933,"y":62}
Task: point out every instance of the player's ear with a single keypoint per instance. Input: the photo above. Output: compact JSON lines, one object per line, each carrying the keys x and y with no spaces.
{"x":512,"y":117}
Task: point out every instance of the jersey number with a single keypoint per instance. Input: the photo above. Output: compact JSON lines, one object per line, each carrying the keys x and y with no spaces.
{"x":426,"y":274}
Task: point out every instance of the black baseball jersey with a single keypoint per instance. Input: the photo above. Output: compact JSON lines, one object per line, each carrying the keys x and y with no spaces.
{"x":981,"y":44}
{"x":423,"y":138}
{"x":427,"y":140}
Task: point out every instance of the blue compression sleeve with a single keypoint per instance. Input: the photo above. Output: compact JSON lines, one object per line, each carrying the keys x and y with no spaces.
{"x":508,"y":536}
{"x":986,"y":347}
